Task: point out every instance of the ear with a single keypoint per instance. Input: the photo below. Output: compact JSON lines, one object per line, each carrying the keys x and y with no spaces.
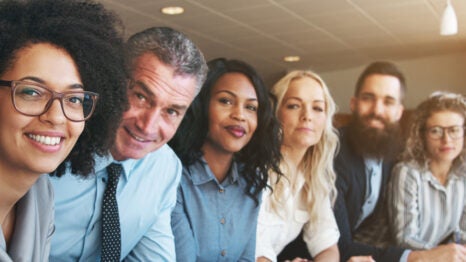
{"x":353,"y":103}
{"x":400,"y":112}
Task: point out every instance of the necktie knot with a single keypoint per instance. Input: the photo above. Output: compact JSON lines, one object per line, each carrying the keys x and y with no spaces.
{"x":114,"y":171}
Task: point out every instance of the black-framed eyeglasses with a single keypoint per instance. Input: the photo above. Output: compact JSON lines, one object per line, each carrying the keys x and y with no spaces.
{"x":34,"y":99}
{"x":437,"y":132}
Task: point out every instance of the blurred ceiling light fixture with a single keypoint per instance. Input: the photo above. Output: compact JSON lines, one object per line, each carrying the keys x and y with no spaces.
{"x":449,"y":25}
{"x":172,"y":10}
{"x":291,"y":58}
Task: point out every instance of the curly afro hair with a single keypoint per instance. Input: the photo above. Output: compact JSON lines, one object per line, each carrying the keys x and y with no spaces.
{"x":92,"y":36}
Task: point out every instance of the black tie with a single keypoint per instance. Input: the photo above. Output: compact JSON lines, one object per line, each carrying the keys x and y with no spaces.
{"x":110,"y":220}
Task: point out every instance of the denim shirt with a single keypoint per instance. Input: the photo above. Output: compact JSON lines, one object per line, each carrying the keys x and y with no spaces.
{"x":214,"y":221}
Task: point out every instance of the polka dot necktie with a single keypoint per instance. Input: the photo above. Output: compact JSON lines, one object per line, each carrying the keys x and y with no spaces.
{"x":110,"y":220}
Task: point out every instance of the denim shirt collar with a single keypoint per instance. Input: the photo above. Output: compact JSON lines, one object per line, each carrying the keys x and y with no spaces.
{"x":201,"y":173}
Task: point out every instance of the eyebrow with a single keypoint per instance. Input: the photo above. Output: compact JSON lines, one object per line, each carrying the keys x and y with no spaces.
{"x":300,"y":99}
{"x":42,"y":82}
{"x":373,"y":95}
{"x":151,"y":94}
{"x":233,"y":94}
{"x":145,"y":88}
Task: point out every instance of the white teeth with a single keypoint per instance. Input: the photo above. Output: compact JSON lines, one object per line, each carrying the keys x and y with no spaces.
{"x":46,"y":140}
{"x":138,"y":138}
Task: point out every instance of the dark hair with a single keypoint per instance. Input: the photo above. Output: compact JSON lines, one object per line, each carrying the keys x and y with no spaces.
{"x":172,"y":48}
{"x":91,"y":35}
{"x":382,"y":68}
{"x":260,"y":155}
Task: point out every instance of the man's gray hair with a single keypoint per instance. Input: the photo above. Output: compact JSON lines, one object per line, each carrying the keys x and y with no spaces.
{"x":173,"y":48}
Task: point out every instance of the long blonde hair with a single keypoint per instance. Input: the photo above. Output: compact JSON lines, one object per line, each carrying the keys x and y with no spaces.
{"x":317,"y":163}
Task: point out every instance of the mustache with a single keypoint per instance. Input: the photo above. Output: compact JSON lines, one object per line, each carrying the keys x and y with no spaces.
{"x":375,"y":117}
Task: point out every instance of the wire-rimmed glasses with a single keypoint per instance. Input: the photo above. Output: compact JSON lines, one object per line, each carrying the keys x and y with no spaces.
{"x":437,"y":132}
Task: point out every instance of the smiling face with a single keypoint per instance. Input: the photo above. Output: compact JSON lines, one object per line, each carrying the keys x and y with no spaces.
{"x":232,"y":114}
{"x":158,"y":101}
{"x":444,"y":149}
{"x":38,"y":144}
{"x":302,"y":113}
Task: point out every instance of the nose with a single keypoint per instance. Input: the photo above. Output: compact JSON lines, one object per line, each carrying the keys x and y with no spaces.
{"x":54,"y":113}
{"x":446,"y":136}
{"x":148,"y":120}
{"x":379,"y":108}
{"x":306,"y":113}
{"x":238,"y":113}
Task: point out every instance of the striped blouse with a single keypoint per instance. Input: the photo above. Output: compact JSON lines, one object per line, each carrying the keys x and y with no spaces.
{"x":423,"y":212}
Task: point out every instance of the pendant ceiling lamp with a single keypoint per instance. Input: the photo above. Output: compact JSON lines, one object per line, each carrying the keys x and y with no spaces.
{"x":449,"y":25}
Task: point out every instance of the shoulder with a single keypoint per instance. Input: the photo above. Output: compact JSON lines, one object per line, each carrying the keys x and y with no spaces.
{"x":43,"y":190}
{"x":408,"y":175}
{"x":162,"y":160}
{"x":407,"y":168}
{"x":345,"y":151}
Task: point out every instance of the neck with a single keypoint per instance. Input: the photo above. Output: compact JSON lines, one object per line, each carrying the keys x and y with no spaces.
{"x":219,"y":162}
{"x":440,"y":170}
{"x":14,"y":184}
{"x":292,"y":156}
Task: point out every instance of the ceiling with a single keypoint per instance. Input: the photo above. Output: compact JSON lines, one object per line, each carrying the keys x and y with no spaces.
{"x":327,"y":34}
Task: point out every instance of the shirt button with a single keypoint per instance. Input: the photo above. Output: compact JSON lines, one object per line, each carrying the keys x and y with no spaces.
{"x":223,"y":253}
{"x":222,"y":221}
{"x":221,"y":190}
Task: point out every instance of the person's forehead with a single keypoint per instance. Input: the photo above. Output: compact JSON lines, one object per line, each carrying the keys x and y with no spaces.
{"x":382,"y":86}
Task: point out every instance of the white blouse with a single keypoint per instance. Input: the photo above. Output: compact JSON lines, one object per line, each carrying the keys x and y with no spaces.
{"x":274,"y":232}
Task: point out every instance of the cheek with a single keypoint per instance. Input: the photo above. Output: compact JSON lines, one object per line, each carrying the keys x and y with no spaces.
{"x":76,"y":130}
{"x":130,"y":113}
{"x":320,"y":126}
{"x":168,"y":129}
{"x":288,"y":119}
{"x":253,"y":122}
{"x":430,"y":147}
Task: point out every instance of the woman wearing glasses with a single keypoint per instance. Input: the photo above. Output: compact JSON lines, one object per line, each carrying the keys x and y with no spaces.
{"x":57,"y":58}
{"x":428,"y":189}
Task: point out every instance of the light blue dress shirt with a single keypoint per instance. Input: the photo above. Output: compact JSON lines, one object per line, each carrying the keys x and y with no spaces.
{"x":214,"y":221}
{"x":146,"y":195}
{"x":373,"y":186}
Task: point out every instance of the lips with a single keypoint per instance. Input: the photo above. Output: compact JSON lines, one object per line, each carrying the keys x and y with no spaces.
{"x":46,"y":140}
{"x":137,"y":138}
{"x":237,"y":131}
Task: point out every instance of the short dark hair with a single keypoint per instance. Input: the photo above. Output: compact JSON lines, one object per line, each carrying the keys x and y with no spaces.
{"x":382,"y":68}
{"x":92,"y":36}
{"x":261,"y":154}
{"x":172,"y":48}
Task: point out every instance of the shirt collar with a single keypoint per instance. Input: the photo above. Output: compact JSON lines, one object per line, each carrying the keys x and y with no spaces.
{"x":101,"y":163}
{"x":200,"y":173}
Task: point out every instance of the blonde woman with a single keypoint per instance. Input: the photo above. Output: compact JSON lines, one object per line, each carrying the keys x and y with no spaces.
{"x":302,"y":199}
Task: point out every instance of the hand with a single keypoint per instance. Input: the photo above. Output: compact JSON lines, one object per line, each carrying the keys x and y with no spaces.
{"x":450,"y":252}
{"x":361,"y":259}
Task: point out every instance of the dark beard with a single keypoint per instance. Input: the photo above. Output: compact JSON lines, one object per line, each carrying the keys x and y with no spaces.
{"x":373,"y":142}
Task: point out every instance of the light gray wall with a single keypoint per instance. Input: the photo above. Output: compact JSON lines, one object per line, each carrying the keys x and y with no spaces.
{"x":423,"y":75}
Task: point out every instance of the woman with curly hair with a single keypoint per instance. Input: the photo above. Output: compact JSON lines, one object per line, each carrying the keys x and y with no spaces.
{"x":62,"y":88}
{"x":428,"y":187}
{"x":228,"y":142}
{"x":302,"y":198}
